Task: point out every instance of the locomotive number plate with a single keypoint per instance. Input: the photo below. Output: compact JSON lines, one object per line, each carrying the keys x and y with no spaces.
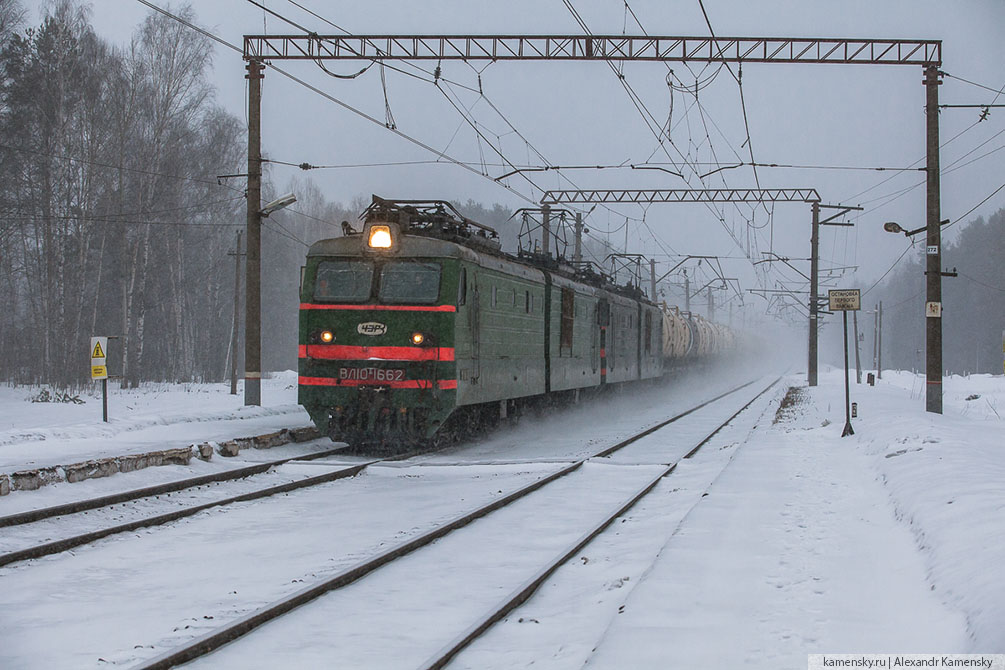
{"x":371,"y":374}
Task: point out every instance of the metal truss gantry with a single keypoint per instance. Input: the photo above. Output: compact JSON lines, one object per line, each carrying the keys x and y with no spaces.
{"x":647,"y":196}
{"x":593,"y":47}
{"x":260,"y":49}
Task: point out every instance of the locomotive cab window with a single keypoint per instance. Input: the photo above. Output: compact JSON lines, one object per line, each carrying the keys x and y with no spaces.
{"x":343,"y":280}
{"x":409,"y":282}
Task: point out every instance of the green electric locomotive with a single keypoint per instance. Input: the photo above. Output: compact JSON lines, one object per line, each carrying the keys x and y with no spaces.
{"x":419,"y":325}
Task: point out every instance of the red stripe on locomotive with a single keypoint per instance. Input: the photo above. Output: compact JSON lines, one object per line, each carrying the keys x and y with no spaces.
{"x":387,"y":308}
{"x":445,"y":384}
{"x":345,"y":352}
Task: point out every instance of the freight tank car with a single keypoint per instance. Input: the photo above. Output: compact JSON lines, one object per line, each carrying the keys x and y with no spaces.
{"x":419,"y":324}
{"x":687,"y":337}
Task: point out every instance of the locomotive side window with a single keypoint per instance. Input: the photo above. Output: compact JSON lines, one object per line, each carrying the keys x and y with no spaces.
{"x":409,"y":282}
{"x":343,"y":280}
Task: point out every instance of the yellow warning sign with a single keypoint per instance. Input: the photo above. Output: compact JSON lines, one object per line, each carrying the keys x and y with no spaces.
{"x":99,"y":345}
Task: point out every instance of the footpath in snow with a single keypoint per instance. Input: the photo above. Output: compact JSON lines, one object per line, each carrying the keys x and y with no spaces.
{"x":888,"y":541}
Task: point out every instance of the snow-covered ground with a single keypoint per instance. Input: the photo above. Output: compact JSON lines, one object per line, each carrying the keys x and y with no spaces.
{"x":781,"y":539}
{"x":152,"y":417}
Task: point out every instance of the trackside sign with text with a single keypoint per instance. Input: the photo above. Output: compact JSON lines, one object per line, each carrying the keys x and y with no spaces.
{"x":845,"y":299}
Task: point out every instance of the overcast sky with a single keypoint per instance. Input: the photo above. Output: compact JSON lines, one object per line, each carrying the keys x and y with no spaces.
{"x":579,"y":114}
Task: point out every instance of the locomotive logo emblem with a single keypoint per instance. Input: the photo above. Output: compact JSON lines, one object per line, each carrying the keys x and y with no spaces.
{"x":371,"y":328}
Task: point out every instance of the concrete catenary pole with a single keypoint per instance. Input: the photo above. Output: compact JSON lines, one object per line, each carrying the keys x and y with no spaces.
{"x":933,"y":267}
{"x":237,"y":307}
{"x":811,"y":369}
{"x":546,"y":230}
{"x":875,"y":338}
{"x":858,"y":362}
{"x":652,"y":279}
{"x":687,"y":293}
{"x":253,"y":259}
{"x":577,"y":256}
{"x":879,"y":350}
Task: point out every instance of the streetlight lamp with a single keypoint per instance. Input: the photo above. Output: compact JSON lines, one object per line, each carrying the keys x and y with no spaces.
{"x":278,"y":204}
{"x":894,"y":227}
{"x":933,"y":307}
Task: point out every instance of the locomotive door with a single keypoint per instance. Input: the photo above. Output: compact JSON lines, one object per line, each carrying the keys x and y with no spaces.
{"x":603,"y":322}
{"x":475,"y":325}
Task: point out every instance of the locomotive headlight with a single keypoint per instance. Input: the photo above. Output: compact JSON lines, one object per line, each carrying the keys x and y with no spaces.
{"x":380,"y":237}
{"x":418,"y":338}
{"x":327,"y":336}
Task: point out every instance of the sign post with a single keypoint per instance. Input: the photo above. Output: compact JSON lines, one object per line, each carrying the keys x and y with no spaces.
{"x":99,"y":370}
{"x":844,"y":301}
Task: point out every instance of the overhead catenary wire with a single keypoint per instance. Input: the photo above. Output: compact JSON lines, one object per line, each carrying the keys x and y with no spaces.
{"x":111,"y":166}
{"x":345,"y":105}
{"x":996,"y":91}
{"x":943,"y":145}
{"x":112,"y":216}
{"x":342,"y":104}
{"x":650,"y":120}
{"x":438,"y":77}
{"x":129,"y":222}
{"x":953,"y":223}
{"x":979,"y":282}
{"x":743,"y":104}
{"x":481,"y":135}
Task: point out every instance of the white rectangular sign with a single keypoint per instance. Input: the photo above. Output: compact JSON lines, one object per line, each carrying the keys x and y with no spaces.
{"x":844,"y":300}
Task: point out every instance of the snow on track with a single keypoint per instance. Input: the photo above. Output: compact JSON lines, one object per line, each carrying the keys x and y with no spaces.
{"x":68,"y":525}
{"x":130,"y":597}
{"x":795,"y":550}
{"x":403,"y":613}
{"x":563,"y":621}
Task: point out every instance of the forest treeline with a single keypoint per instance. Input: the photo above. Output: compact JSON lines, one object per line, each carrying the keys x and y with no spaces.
{"x":112,"y":221}
{"x":112,"y":218}
{"x":973,"y":317}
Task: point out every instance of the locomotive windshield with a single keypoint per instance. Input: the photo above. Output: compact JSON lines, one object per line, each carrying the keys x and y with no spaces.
{"x":409,"y":282}
{"x":343,"y":280}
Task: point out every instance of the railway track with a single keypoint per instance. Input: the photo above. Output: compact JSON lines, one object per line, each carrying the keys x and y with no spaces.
{"x":29,"y":521}
{"x":566,"y":486}
{"x":84,"y":505}
{"x":35,"y":538}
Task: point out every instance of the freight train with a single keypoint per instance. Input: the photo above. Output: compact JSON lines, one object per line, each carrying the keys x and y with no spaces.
{"x":419,"y":325}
